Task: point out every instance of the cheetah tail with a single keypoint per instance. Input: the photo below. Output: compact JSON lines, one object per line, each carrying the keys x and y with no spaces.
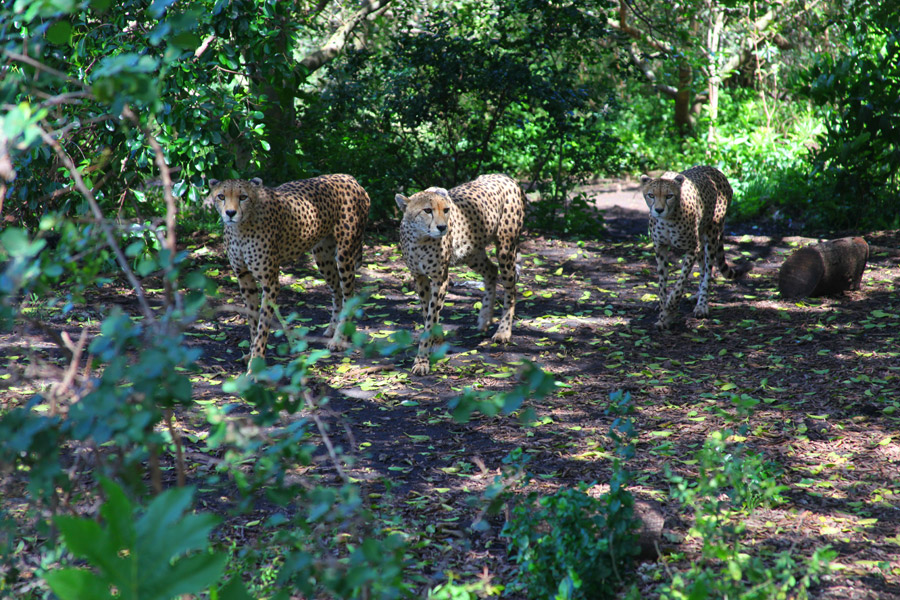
{"x":732,"y":272}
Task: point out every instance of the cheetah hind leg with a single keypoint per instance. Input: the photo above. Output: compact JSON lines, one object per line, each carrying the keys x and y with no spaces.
{"x":701,"y":311}
{"x":482,"y":265}
{"x":326,"y":261}
{"x":509,"y":276}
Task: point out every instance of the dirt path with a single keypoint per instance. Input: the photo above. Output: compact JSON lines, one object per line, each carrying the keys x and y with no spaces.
{"x":822,"y":376}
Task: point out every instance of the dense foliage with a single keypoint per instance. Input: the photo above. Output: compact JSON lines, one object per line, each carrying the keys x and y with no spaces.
{"x":491,"y":89}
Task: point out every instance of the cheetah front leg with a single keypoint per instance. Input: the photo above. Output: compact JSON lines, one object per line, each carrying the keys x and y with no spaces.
{"x":506,"y":258}
{"x":662,"y":273}
{"x":432,"y":293}
{"x":250,"y":293}
{"x":269,"y":285}
{"x":670,"y":310}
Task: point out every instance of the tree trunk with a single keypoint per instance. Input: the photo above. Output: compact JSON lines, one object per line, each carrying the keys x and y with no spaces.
{"x":683,"y":99}
{"x":822,"y":269}
{"x":650,"y":531}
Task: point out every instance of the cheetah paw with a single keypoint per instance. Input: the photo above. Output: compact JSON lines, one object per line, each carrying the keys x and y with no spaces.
{"x":337,"y":345}
{"x":421,"y":366}
{"x":701,"y":312}
{"x":664,"y":323}
{"x":501,"y":337}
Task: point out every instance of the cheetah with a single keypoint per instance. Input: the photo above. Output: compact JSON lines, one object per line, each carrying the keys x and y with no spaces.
{"x":687,"y":215}
{"x":441,"y":228}
{"x":267,"y":228}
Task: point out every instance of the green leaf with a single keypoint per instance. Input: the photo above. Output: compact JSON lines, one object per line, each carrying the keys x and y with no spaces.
{"x":158,"y":8}
{"x":86,"y":539}
{"x":187,"y":576}
{"x":118,"y":512}
{"x":59,"y":33}
{"x":77,"y":584}
{"x":16,"y":242}
{"x":234,"y":590}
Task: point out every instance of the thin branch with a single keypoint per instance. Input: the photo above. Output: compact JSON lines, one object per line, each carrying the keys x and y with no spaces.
{"x":179,"y":451}
{"x":338,"y":39}
{"x":42,"y":67}
{"x":204,"y":46}
{"x":171,"y":210}
{"x":623,"y":26}
{"x":67,"y":98}
{"x":62,"y":387}
{"x":327,"y":440}
{"x":98,"y":213}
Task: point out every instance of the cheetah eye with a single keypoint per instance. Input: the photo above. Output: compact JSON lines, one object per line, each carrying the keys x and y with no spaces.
{"x":669,"y":196}
{"x":651,"y":196}
{"x":243,"y":197}
{"x":221,"y":196}
{"x":427,"y":211}
{"x":447,"y":211}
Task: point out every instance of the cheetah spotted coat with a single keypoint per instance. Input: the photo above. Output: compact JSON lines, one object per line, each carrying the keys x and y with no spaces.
{"x":268,"y":228}
{"x":442,"y":228}
{"x":687,"y":216}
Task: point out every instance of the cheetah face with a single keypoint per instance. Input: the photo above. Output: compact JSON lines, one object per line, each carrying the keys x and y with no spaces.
{"x":233,"y":198}
{"x":426,"y":213}
{"x":662,"y":195}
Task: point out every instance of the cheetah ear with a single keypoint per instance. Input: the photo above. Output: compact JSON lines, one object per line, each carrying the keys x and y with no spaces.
{"x":439,"y":191}
{"x":679,"y":179}
{"x":213,"y":183}
{"x":401,"y":201}
{"x":645,"y":179}
{"x":257,"y":182}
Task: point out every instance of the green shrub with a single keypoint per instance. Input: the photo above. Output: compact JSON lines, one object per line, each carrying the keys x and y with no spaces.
{"x":570,"y":545}
{"x":153,"y":554}
{"x":458,"y":97}
{"x":731,"y":482}
{"x":855,"y":176}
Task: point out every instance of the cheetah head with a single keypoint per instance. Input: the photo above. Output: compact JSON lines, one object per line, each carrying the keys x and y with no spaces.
{"x":663,"y":195}
{"x":427,"y":213}
{"x":233,"y":198}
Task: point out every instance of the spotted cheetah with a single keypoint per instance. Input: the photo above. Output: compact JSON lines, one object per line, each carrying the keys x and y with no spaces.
{"x":442,"y":228}
{"x":687,"y":215}
{"x":267,"y":228}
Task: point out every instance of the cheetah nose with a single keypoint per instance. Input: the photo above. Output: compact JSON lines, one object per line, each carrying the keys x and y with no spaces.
{"x":230,"y":213}
{"x":441,"y":228}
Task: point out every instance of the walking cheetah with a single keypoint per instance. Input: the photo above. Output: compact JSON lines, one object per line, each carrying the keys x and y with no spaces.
{"x":442,"y":228}
{"x":267,"y":228}
{"x":687,"y":215}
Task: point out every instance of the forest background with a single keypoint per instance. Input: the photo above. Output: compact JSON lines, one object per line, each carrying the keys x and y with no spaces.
{"x":114,"y":116}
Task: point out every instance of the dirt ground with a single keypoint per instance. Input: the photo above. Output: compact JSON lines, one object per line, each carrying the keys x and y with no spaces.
{"x":825,"y":372}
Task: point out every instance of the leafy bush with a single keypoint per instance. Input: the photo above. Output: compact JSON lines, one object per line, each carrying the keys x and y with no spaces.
{"x":570,"y":545}
{"x":855,"y":177}
{"x":155,"y":554}
{"x":459,"y":96}
{"x":732,"y":481}
{"x":766,"y":160}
